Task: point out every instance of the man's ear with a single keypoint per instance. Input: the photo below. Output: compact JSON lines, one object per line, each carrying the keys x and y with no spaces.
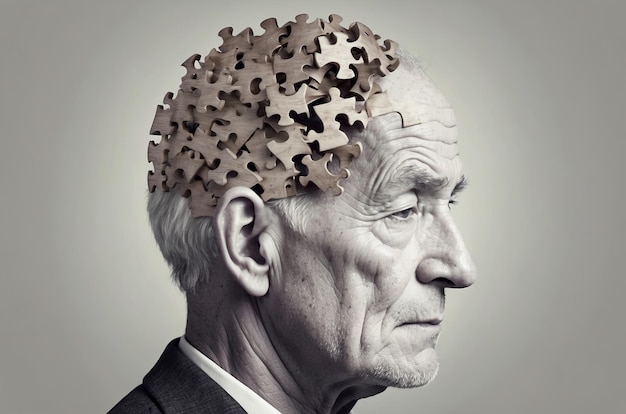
{"x":240,"y":219}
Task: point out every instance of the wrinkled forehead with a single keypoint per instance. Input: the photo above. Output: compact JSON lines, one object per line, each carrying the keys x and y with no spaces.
{"x":414,"y":107}
{"x":416,"y":129}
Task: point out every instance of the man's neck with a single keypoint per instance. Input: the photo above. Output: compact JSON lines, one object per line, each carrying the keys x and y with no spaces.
{"x":238,"y":342}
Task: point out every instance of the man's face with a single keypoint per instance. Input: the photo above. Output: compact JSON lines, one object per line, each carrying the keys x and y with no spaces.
{"x":361,"y":294}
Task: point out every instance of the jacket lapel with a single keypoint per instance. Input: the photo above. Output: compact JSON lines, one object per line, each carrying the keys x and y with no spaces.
{"x":180,"y":387}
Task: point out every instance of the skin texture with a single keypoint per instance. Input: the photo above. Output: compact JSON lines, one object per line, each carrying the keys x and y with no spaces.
{"x":312,"y":321}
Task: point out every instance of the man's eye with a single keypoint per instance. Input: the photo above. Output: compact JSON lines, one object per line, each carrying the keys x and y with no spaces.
{"x":452,"y":202}
{"x":403,"y":214}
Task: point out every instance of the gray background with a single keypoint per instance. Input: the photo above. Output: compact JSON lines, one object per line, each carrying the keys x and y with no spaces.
{"x":86,"y":305}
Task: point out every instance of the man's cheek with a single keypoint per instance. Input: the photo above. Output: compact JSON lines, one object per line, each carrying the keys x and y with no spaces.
{"x":387,"y":269}
{"x":392,"y":235}
{"x":376,"y":265}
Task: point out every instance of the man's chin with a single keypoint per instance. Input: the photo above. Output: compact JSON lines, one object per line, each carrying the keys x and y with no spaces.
{"x":419,"y":373}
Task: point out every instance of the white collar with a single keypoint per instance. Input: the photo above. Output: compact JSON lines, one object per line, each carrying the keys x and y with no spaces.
{"x":248,"y":399}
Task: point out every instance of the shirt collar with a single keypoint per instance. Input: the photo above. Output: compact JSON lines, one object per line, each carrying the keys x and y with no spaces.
{"x":248,"y":399}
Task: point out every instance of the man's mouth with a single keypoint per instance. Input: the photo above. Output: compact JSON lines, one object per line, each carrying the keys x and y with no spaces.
{"x":424,"y":322}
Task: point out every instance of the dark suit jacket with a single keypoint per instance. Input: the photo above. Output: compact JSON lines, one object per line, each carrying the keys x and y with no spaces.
{"x":175,"y":385}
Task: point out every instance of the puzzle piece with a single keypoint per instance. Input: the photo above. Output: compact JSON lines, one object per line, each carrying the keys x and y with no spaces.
{"x":222,"y":62}
{"x":201,"y":202}
{"x":206,"y":120}
{"x":332,"y":136}
{"x":367,"y":42}
{"x":194,"y":72}
{"x":158,"y":155}
{"x":269,"y":42}
{"x":293,"y":69}
{"x":241,"y":121}
{"x":379,"y":104}
{"x":357,"y":48}
{"x":183,"y":168}
{"x":366,"y":73}
{"x":317,"y":75}
{"x":320,"y":89}
{"x":232,"y":169}
{"x":243,"y":177}
{"x":303,"y":35}
{"x":282,"y":105}
{"x":161,"y":124}
{"x":391,"y":49}
{"x":210,"y":90}
{"x":157,"y":179}
{"x":338,"y":54}
{"x":217,"y":190}
{"x":240,"y":43}
{"x":278,"y":182}
{"x":205,"y":145}
{"x":179,"y":110}
{"x":253,"y":78}
{"x":333,"y":25}
{"x":347,"y":153}
{"x":188,"y":163}
{"x":286,"y":150}
{"x":319,"y":174}
{"x":257,"y":147}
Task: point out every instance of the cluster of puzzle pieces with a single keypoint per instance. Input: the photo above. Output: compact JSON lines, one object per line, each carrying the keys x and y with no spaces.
{"x":269,"y":112}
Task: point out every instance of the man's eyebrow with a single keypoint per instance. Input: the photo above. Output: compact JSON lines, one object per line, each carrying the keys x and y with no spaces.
{"x":422,"y":180}
{"x":460,"y":186}
{"x":418,"y":178}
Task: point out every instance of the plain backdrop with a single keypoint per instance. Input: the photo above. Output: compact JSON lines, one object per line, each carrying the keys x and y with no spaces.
{"x":539,"y":87}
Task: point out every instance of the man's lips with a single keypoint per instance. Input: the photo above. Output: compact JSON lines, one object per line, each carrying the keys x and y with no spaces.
{"x":434,"y":321}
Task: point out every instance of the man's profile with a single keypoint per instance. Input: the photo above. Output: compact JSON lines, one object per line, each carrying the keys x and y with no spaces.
{"x":301,"y":195}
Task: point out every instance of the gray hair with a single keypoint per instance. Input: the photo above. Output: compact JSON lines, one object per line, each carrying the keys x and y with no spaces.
{"x":189,"y":246}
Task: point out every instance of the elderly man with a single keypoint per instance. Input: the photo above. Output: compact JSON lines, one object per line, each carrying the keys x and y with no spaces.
{"x":301,"y":194}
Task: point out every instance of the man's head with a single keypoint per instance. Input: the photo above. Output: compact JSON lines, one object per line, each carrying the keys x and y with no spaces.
{"x":348,"y":287}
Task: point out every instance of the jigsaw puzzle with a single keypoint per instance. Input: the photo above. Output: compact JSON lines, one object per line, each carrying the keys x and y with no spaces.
{"x":270,"y":112}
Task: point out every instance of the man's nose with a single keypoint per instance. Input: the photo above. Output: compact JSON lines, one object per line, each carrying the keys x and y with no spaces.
{"x":446,"y":259}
